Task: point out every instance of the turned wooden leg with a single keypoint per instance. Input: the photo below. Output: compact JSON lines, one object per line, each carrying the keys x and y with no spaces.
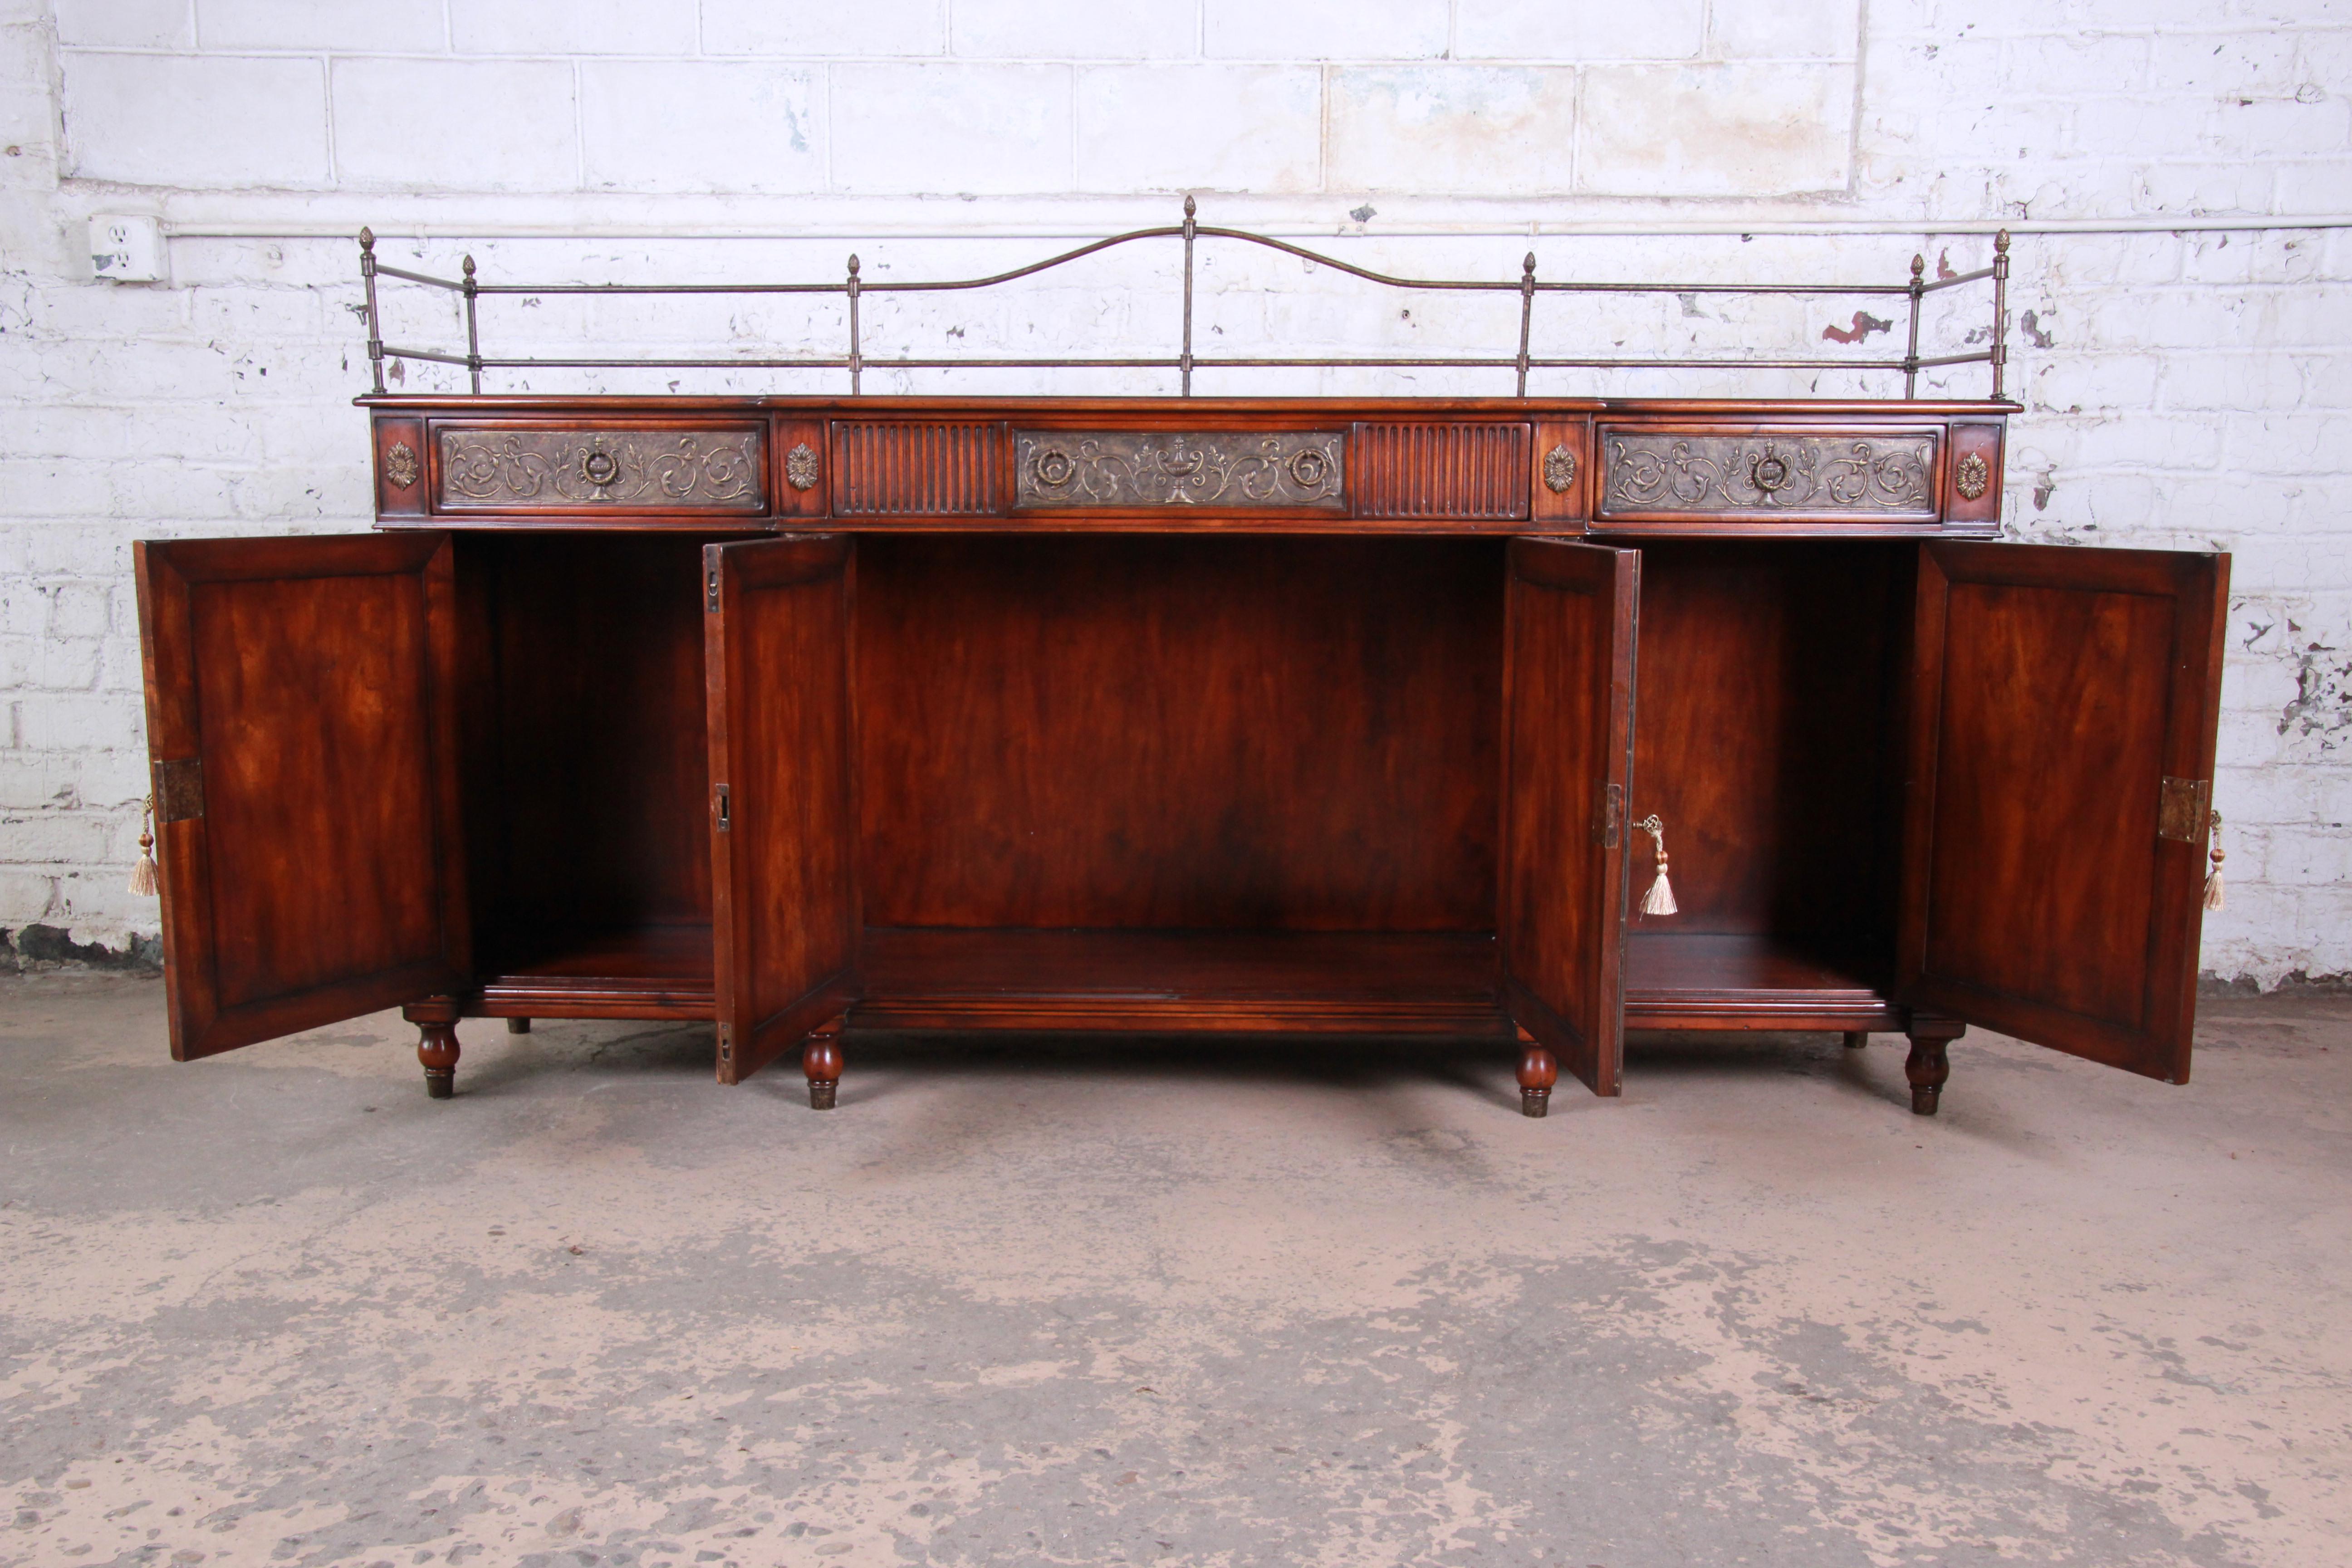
{"x":1538,"y":1070}
{"x":1927,"y":1067}
{"x":821,"y":1061}
{"x":517,"y":1025}
{"x":437,"y":1044}
{"x":1857,"y":1038}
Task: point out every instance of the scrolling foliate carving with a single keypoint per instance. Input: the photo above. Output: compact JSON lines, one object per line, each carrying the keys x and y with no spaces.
{"x":601,"y":468}
{"x":1665,"y":472}
{"x":1179,"y":468}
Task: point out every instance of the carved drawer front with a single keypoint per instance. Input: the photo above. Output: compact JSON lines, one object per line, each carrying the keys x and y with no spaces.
{"x":904,"y":468}
{"x":1148,"y":469}
{"x":1451,"y":470}
{"x":1700,"y":474}
{"x":603,"y":468}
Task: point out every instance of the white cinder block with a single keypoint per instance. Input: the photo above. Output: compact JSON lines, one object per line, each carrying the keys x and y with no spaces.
{"x":800,"y":29}
{"x":1324,"y":29}
{"x":1074,"y":30}
{"x":388,"y":25}
{"x":1716,"y":130}
{"x":208,"y":123}
{"x":1779,"y":30}
{"x":126,"y":23}
{"x":1547,"y":31}
{"x":738,"y":125}
{"x":1215,"y":126}
{"x":463,"y":126}
{"x":573,"y":27}
{"x":951,"y":128}
{"x":1452,"y":130}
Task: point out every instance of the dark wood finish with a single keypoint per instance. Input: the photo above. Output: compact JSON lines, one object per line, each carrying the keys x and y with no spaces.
{"x":517,"y":1025}
{"x":820,"y":1063}
{"x":1981,"y":512}
{"x":2053,"y":690}
{"x":1550,"y":508}
{"x":1170,"y":981}
{"x":1750,"y":980}
{"x":1262,"y":732}
{"x":1567,"y":700}
{"x":1767,"y":742}
{"x":313,"y":869}
{"x":911,"y":468}
{"x":593,"y":753}
{"x":400,"y":490}
{"x":1538,"y":1072}
{"x":1440,"y":470}
{"x":1929,"y":1066}
{"x":800,"y":450}
{"x":437,"y":1044}
{"x":1131,"y":748}
{"x":783,"y":806}
{"x":650,"y":971}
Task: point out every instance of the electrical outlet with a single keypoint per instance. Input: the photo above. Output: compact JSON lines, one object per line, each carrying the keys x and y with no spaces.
{"x":127,"y":250}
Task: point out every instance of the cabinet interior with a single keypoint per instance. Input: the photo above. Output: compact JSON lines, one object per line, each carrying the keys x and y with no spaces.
{"x":1767,"y":739}
{"x":1074,"y":749}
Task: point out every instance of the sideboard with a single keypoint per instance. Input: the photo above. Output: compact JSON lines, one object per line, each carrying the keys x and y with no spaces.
{"x":805,"y":715}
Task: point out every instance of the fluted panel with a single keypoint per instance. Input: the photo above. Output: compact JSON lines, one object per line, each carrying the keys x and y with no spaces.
{"x":908,"y":468}
{"x":1442,"y":470}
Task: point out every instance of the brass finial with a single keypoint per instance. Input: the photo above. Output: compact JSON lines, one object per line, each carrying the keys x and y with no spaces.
{"x":367,"y":239}
{"x":468,"y":265}
{"x":1919,"y":267}
{"x":853,"y":264}
{"x":1528,"y":268}
{"x":1190,"y":206}
{"x":2001,"y":243}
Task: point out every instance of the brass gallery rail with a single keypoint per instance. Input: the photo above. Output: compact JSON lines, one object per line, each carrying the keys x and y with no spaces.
{"x":857,"y":362}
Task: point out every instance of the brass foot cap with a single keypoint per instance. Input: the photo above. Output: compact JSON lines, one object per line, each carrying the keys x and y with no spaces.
{"x":441,"y":1086}
{"x":821,"y":1095}
{"x":1534,"y":1102}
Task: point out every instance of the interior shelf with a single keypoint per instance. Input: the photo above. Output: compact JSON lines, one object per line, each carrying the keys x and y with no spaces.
{"x":1164,"y":980}
{"x":655,"y":971}
{"x":1706,"y":979}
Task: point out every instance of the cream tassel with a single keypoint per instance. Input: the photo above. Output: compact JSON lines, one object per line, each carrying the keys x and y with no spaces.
{"x":142,"y":875}
{"x":1660,"y":899}
{"x":2215,"y":897}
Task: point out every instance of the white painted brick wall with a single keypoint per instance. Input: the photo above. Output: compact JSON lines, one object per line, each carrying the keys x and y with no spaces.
{"x":2185,"y":387}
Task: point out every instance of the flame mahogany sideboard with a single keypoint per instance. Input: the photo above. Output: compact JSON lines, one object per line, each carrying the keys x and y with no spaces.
{"x":811,"y":714}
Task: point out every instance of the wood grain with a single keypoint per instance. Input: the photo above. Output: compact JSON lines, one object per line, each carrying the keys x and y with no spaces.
{"x":1159,"y":731}
{"x":1568,"y":705}
{"x":2053,"y":690}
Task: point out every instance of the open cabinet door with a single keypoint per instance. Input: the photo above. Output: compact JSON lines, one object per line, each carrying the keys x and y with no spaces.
{"x":301,"y":739}
{"x":2064,"y":706}
{"x":1568,"y":732}
{"x":784,"y":810}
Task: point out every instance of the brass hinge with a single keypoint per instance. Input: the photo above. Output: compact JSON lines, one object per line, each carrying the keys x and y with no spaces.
{"x":179,"y":789}
{"x":1609,"y":816}
{"x":2182,"y":806}
{"x":726,"y":806}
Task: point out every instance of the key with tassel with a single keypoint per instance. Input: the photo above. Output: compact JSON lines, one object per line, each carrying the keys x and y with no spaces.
{"x":2215,"y":897}
{"x":1660,"y":899}
{"x":142,"y":875}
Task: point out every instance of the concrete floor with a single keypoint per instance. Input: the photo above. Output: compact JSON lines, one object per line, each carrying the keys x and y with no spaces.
{"x":1249,"y":1305}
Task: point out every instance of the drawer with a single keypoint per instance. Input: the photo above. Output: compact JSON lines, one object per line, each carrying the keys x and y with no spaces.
{"x":638,"y":467}
{"x":1757,"y":473}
